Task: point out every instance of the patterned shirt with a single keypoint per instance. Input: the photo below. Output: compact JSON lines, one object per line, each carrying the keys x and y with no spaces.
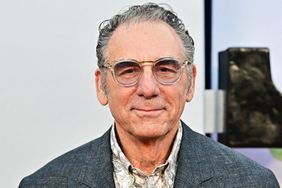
{"x":125,"y":175}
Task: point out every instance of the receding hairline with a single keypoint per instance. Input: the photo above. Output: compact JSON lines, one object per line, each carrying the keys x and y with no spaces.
{"x":131,"y":23}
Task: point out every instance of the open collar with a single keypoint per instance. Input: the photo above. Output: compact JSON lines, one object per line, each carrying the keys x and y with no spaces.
{"x":194,"y":165}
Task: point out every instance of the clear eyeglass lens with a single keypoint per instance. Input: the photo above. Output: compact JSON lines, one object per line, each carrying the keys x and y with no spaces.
{"x":127,"y":72}
{"x":166,"y":71}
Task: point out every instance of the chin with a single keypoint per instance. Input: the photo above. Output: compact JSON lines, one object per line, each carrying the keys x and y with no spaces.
{"x":148,"y":137}
{"x":150,"y":131}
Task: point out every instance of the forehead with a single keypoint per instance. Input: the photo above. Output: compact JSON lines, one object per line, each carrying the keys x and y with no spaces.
{"x":145,"y":40}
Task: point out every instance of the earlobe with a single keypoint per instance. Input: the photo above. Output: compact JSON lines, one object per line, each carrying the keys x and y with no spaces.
{"x":191,"y":90}
{"x":101,"y":95}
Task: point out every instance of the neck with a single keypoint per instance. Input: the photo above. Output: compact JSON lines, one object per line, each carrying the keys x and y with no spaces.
{"x":146,"y":153}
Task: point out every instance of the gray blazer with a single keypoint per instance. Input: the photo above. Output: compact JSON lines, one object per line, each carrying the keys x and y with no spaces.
{"x":201,"y":163}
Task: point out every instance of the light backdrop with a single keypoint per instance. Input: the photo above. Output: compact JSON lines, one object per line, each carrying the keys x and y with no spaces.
{"x":47,"y":96}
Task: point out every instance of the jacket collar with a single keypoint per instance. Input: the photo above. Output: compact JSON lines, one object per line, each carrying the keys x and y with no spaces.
{"x":99,"y":168}
{"x":193,"y":162}
{"x":194,"y":165}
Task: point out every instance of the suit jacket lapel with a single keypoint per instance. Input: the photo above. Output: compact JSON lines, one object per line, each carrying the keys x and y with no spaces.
{"x":192,"y":170}
{"x":193,"y":163}
{"x":99,"y":171}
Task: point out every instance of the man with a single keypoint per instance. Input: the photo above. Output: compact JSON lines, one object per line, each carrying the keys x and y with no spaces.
{"x":146,"y":75}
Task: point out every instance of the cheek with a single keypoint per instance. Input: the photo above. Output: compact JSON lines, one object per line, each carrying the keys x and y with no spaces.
{"x":116,"y":100}
{"x":118,"y":107}
{"x":119,"y":98}
{"x":175,"y":97}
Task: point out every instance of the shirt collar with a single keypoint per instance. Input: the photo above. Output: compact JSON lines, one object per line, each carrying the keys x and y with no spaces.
{"x":118,"y":155}
{"x":120,"y":160}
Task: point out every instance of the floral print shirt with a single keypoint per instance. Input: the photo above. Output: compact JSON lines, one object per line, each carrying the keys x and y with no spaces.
{"x":127,"y":176}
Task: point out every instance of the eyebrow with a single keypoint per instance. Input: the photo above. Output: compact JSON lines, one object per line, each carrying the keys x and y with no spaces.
{"x":131,"y":59}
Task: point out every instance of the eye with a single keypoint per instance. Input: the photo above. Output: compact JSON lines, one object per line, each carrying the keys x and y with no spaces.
{"x":127,"y":69}
{"x":167,"y":66}
{"x":165,"y":69}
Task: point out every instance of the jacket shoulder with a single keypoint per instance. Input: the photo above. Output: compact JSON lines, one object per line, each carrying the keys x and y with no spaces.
{"x":67,"y":169}
{"x":238,"y":170}
{"x":227,"y":167}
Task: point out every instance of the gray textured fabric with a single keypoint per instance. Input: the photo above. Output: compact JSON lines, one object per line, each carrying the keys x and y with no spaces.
{"x":201,"y":163}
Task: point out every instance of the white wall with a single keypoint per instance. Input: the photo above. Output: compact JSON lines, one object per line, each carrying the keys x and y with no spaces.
{"x":47,"y":97}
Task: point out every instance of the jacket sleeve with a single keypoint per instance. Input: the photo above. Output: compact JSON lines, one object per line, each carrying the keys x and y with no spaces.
{"x":51,"y":182}
{"x":46,"y":182}
{"x":272,"y":181}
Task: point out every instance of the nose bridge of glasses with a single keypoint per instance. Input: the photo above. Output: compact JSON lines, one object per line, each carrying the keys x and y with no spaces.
{"x":147,"y":69}
{"x":146,"y":63}
{"x":147,"y":73}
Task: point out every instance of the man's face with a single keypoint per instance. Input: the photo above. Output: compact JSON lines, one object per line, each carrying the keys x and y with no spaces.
{"x":148,"y":109}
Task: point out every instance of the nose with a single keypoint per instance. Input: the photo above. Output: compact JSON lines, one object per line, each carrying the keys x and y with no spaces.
{"x":147,"y":85}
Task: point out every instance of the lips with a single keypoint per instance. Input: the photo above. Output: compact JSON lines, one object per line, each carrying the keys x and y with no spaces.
{"x":148,"y":111}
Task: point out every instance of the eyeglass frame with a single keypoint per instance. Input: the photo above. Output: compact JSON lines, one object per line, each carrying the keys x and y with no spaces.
{"x":142,"y":64}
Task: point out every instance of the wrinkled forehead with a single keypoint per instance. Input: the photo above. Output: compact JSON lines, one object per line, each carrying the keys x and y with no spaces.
{"x":144,"y":40}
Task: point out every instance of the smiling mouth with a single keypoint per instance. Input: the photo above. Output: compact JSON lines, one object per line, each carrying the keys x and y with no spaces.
{"x":148,"y":112}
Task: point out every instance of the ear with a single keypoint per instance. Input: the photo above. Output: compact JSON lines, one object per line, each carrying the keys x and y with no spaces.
{"x":191,"y":90}
{"x":101,"y":95}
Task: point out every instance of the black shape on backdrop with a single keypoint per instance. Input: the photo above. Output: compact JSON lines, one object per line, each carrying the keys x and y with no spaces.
{"x":208,"y":43}
{"x":253,"y":106}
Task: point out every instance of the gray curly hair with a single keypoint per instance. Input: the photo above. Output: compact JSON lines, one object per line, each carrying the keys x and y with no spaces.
{"x":139,"y":13}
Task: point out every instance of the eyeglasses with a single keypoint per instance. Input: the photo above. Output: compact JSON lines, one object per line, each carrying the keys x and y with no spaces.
{"x":127,"y":72}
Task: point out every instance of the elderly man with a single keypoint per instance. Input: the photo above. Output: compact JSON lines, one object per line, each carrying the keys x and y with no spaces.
{"x":146,"y":75}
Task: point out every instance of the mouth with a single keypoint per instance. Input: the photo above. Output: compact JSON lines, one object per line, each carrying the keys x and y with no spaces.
{"x":152,"y":112}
